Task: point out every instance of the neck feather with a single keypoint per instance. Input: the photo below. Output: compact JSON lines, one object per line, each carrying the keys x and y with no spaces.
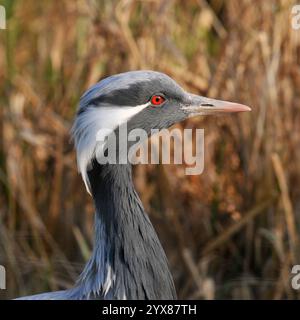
{"x":128,"y":261}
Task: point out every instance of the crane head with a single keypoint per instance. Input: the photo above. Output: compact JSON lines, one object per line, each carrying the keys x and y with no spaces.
{"x":141,"y":99}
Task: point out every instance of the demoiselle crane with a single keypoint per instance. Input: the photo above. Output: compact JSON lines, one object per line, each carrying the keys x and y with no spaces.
{"x":128,"y":261}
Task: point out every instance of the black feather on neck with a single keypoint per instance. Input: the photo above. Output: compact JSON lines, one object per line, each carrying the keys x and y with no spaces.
{"x":125,"y":242}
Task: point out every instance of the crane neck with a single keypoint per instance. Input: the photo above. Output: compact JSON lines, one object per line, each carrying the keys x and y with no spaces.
{"x":128,"y":261}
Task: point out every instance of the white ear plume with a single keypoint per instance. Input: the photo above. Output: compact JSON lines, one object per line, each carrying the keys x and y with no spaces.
{"x":87,"y":125}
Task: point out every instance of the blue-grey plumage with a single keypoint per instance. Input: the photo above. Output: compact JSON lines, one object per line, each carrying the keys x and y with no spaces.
{"x":128,"y":261}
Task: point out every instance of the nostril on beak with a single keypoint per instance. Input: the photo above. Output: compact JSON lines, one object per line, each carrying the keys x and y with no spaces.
{"x":207,"y":105}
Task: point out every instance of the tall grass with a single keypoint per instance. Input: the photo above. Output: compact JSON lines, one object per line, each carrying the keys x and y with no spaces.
{"x":232,"y":232}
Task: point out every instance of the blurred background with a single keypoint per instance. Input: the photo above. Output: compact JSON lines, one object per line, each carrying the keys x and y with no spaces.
{"x":229,"y":233}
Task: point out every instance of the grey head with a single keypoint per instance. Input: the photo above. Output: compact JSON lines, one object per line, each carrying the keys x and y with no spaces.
{"x":141,"y":99}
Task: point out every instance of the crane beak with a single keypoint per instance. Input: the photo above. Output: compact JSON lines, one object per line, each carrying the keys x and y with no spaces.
{"x":204,"y":106}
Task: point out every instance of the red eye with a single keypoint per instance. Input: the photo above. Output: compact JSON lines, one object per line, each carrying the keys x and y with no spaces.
{"x":157,"y":100}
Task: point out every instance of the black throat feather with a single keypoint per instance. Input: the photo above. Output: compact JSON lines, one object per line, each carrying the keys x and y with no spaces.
{"x":128,"y":260}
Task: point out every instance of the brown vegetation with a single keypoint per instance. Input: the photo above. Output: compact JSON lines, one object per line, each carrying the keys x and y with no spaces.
{"x":232,"y":232}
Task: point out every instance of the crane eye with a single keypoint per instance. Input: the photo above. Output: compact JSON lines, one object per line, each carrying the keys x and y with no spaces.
{"x":157,"y":100}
